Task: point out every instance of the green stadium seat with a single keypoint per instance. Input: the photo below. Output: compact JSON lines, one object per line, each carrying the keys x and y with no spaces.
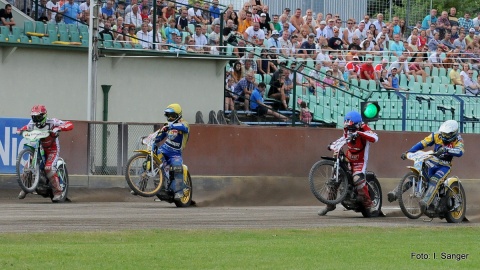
{"x":28,"y":27}
{"x":127,"y":45}
{"x":40,"y":27}
{"x":17,"y":32}
{"x":52,"y":36}
{"x":434,"y":71}
{"x":117,"y":45}
{"x":372,"y":85}
{"x":3,"y":38}
{"x":63,"y":36}
{"x":428,"y":71}
{"x":108,"y":44}
{"x":442,"y":72}
{"x":82,"y":28}
{"x":138,"y":46}
{"x":74,"y":36}
{"x":84,"y":36}
{"x":35,"y":40}
{"x":4,"y":30}
{"x":268,"y":78}
{"x":72,"y":28}
{"x":229,"y":51}
{"x":24,"y":39}
{"x":62,"y":27}
{"x":50,"y":26}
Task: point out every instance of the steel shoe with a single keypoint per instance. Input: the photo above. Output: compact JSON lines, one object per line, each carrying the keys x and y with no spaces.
{"x":327,"y":209}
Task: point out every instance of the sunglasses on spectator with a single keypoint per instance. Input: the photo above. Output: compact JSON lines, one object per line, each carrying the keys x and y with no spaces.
{"x":350,"y":23}
{"x":470,"y":73}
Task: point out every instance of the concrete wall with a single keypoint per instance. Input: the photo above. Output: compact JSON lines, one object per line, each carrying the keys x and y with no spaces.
{"x":141,"y":86}
{"x":216,"y":150}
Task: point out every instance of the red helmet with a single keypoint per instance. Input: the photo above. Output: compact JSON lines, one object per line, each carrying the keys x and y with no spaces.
{"x":39,"y":115}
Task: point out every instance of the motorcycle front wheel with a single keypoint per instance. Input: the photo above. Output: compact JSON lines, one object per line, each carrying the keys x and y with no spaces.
{"x":457,"y":203}
{"x":186,"y":200}
{"x":139,"y":176}
{"x":28,"y":173}
{"x":409,"y":195}
{"x":325,"y":184}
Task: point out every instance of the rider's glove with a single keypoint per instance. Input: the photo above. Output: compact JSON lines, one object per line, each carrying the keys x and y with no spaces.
{"x":404,"y":156}
{"x":55,"y":132}
{"x":165,"y":128}
{"x":440,"y":151}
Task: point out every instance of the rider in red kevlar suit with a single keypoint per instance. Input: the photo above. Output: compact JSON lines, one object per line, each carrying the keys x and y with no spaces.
{"x":50,"y":145}
{"x":359,"y":136}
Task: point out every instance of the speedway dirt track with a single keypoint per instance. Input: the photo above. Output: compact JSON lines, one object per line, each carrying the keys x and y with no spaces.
{"x":243,"y":207}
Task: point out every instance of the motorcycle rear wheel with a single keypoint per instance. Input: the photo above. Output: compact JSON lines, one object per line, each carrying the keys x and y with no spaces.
{"x":186,"y":200}
{"x":62,"y":174}
{"x":458,"y":214}
{"x":408,"y":198}
{"x":375,"y":192}
{"x":28,"y":174}
{"x":137,"y":177}
{"x":323,"y":182}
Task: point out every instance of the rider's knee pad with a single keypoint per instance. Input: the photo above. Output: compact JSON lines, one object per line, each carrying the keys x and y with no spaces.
{"x":177,"y":169}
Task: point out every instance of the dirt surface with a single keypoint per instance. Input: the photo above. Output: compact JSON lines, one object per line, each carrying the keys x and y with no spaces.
{"x":242,"y":205}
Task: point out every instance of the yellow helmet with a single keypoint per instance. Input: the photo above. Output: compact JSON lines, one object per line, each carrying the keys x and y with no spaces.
{"x":173,"y":112}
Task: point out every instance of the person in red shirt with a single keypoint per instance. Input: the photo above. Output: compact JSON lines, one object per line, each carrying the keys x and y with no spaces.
{"x":380,"y":67}
{"x":366,"y":70}
{"x":353,"y":68}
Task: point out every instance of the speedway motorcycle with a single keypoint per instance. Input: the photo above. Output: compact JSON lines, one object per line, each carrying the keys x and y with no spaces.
{"x":331,"y":182}
{"x":30,"y":166}
{"x":449,"y":200}
{"x":148,"y":175}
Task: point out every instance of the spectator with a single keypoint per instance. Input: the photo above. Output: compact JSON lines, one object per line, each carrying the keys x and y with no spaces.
{"x":321,"y":30}
{"x":245,"y":23}
{"x":403,"y":28}
{"x":120,"y":10}
{"x":195,"y":14}
{"x":254,"y":34}
{"x":42,"y":11}
{"x":170,"y":31}
{"x":465,"y":21}
{"x":297,"y":20}
{"x":417,"y":65}
{"x":330,"y":27}
{"x":308,"y":26}
{"x":379,"y":24}
{"x":181,"y":23}
{"x":366,"y":70}
{"x":244,"y":88}
{"x":464,"y":72}
{"x":71,"y":12}
{"x":246,"y":8}
{"x":393,"y":80}
{"x":452,"y":17}
{"x":214,"y":10}
{"x":476,"y":22}
{"x":264,"y":64}
{"x":446,"y":42}
{"x":308,"y":48}
{"x":348,"y":33}
{"x":106,"y":31}
{"x":285,"y":44}
{"x":277,"y":91}
{"x":384,"y":33}
{"x":472,"y":88}
{"x":422,"y":40}
{"x":256,"y":11}
{"x":178,"y":46}
{"x":454,"y":75}
{"x":471,"y":36}
{"x":53,"y":7}
{"x":352,"y":68}
{"x":460,"y":43}
{"x":367,"y":22}
{"x":129,"y":7}
{"x":373,"y":30}
{"x":435,"y":58}
{"x":395,"y":27}
{"x":413,"y":43}
{"x":264,"y":25}
{"x":276,"y":24}
{"x":168,"y":12}
{"x":443,"y":24}
{"x":335,"y":42}
{"x":265,"y":9}
{"x":199,"y":39}
{"x":145,"y":38}
{"x":429,"y":19}
{"x":361,"y":32}
{"x":385,"y":81}
{"x":274,"y":42}
{"x":431,"y":32}
{"x":257,"y":103}
{"x":132,"y":37}
{"x":108,"y":10}
{"x":379,"y":68}
{"x":134,"y":17}
{"x":396,"y":46}
{"x":338,"y":76}
{"x":435,"y":43}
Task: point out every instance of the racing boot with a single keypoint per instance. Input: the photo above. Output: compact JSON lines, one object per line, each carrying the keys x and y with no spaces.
{"x":22,"y":195}
{"x":392,"y":195}
{"x":426,"y":200}
{"x":328,"y":208}
{"x":57,"y":190}
{"x":367,"y":201}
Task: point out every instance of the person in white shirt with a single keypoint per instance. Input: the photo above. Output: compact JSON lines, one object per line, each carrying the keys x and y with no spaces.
{"x":322,"y":58}
{"x":200,"y":38}
{"x":254,"y":34}
{"x":53,"y":6}
{"x":379,"y":24}
{"x":361,"y":31}
{"x":134,"y":17}
{"x":285,"y":43}
{"x":322,"y":30}
{"x":144,"y":37}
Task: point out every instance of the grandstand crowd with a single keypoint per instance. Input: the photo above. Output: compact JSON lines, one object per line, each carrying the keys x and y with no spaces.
{"x":330,"y":51}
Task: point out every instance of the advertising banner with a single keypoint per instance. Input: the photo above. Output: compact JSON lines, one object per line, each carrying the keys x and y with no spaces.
{"x":11,"y":143}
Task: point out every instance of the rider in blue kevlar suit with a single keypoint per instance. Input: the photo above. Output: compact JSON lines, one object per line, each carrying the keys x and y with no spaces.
{"x":176,"y":131}
{"x":447,"y":144}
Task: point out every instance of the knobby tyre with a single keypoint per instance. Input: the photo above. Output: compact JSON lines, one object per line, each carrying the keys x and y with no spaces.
{"x":325,"y":185}
{"x":63,"y":175}
{"x":139,"y":177}
{"x":458,"y":201}
{"x":409,"y":195}
{"x":186,"y":200}
{"x":375,"y":192}
{"x":28,"y":174}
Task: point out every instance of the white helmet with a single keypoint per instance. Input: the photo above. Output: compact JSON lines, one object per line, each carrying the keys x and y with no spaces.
{"x":448,"y":131}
